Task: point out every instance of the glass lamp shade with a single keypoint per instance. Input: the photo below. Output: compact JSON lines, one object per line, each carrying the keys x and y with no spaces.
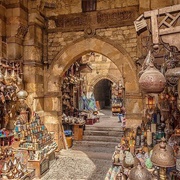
{"x":163,"y":155}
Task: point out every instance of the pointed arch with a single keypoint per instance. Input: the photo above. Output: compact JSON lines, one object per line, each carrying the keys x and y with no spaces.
{"x":108,"y":48}
{"x":101,"y":77}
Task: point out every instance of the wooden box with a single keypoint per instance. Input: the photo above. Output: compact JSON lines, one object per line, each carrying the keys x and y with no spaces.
{"x":89,"y":121}
{"x":78,"y":132}
{"x":39,"y":166}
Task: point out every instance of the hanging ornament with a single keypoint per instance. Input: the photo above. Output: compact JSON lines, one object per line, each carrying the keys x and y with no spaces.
{"x":152,"y":81}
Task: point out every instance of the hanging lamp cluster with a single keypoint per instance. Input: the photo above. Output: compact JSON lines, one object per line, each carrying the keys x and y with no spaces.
{"x":151,"y":79}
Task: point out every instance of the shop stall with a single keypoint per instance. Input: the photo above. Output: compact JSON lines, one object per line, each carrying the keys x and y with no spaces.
{"x":151,"y":151}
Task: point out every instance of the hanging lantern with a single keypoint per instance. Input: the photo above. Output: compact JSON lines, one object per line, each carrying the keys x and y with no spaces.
{"x":22,"y":94}
{"x":150,"y":102}
{"x":152,"y":81}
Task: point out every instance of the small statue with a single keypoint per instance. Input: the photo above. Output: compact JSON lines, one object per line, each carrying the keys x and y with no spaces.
{"x":116,"y":157}
{"x":128,"y":160}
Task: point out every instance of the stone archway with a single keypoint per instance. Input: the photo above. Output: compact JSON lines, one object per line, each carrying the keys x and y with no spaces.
{"x":108,"y":48}
{"x":100,"y":77}
{"x":67,"y":56}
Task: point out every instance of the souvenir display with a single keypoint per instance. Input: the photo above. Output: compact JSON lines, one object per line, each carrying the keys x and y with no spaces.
{"x":35,"y":138}
{"x":11,"y":167}
{"x":72,"y":120}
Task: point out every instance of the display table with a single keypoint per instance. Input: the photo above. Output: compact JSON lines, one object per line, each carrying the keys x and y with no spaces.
{"x":40,"y":166}
{"x":90,"y":121}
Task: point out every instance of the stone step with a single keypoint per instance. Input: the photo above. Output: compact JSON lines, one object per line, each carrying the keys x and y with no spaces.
{"x":102,"y":138}
{"x":96,"y":128}
{"x":95,"y":149}
{"x":94,"y":144}
{"x":103,"y":133}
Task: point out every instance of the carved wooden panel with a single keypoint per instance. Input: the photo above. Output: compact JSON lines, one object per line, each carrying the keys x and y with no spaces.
{"x":164,"y":21}
{"x":96,"y":19}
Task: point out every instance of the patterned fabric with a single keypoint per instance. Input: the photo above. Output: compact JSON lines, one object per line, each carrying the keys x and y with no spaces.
{"x":112,"y":173}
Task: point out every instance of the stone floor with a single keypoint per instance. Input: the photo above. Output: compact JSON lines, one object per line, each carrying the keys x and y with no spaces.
{"x":78,"y":165}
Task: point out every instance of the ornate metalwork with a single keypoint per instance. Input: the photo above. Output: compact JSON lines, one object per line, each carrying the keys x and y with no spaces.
{"x":163,"y":155}
{"x":139,"y":173}
{"x":151,"y":80}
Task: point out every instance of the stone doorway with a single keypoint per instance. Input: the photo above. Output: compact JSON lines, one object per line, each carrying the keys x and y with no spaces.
{"x":73,"y":52}
{"x":63,"y":60}
{"x":103,"y":93}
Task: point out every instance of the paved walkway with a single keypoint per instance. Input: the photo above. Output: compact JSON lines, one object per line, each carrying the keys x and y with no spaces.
{"x":78,"y":165}
{"x":107,"y":119}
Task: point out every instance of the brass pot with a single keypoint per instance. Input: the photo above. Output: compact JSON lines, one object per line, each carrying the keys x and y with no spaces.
{"x":5,"y":168}
{"x":121,"y":176}
{"x":163,"y":155}
{"x":15,"y":171}
{"x":10,"y":164}
{"x":139,"y":173}
{"x":10,"y":152}
{"x":24,"y":169}
{"x":20,"y":174}
{"x":16,"y":175}
{"x":19,"y":166}
{"x":152,"y":80}
{"x":15,"y":161}
{"x":10,"y":175}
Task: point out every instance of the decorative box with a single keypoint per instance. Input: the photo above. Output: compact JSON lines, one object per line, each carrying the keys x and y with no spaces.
{"x":89,"y":121}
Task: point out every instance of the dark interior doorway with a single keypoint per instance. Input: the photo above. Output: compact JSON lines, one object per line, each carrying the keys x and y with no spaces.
{"x":102,"y":93}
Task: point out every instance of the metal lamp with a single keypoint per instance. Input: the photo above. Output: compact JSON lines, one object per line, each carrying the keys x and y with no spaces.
{"x":163,"y":157}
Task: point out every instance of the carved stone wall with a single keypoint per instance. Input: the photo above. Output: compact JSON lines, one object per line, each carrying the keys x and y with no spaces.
{"x":114,"y":52}
{"x":126,"y":36}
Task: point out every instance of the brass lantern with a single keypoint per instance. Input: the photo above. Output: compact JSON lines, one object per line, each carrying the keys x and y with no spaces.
{"x":139,"y":173}
{"x":163,"y":157}
{"x":151,"y":79}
